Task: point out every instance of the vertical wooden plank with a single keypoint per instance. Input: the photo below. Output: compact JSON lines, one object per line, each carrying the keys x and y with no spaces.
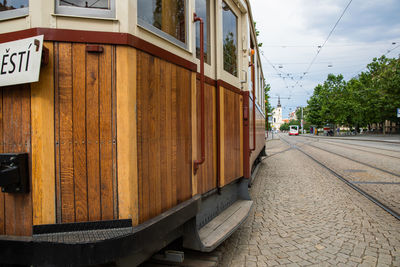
{"x":229,"y":111}
{"x":168,"y":133}
{"x":79,"y":132}
{"x":140,"y":65}
{"x":163,"y":133}
{"x":12,"y":121}
{"x":24,"y":201}
{"x":188,"y":134}
{"x":17,"y":134}
{"x":2,"y":197}
{"x":174,"y":134}
{"x":154,"y":137}
{"x":241,"y":134}
{"x":106,"y":176}
{"x":127,"y":135}
{"x":179,"y":136}
{"x":143,"y":109}
{"x":92,"y":135}
{"x":236,"y":119}
{"x":201,"y":176}
{"x":185,"y":134}
{"x":215,"y":149}
{"x":66,"y":135}
{"x":43,"y":168}
{"x":57,"y":151}
{"x":114,"y":133}
{"x":197,"y":186}
{"x":222,"y":135}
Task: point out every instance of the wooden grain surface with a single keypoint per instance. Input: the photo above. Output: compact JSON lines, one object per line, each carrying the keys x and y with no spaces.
{"x":85,"y":135}
{"x":207,"y":174}
{"x":43,"y":144}
{"x":163,"y":135}
{"x":127,"y":139}
{"x":16,"y":209}
{"x":231,"y":136}
{"x":260,"y":136}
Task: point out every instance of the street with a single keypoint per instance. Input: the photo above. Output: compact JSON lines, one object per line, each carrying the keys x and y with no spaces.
{"x":304,"y":215}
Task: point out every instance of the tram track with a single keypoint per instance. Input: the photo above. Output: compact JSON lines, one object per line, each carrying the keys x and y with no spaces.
{"x":346,"y":181}
{"x":363,"y":150}
{"x":354,"y":160}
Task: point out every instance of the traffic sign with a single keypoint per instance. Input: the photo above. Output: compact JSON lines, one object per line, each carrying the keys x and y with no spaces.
{"x":398,"y":113}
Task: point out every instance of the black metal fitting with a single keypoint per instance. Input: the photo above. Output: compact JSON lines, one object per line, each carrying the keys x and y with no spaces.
{"x":14,"y":174}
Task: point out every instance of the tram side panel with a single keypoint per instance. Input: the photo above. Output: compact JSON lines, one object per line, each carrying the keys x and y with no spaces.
{"x":85,"y":133}
{"x":259,"y":144}
{"x":207,"y":173}
{"x":163,"y":135}
{"x":231,"y":135}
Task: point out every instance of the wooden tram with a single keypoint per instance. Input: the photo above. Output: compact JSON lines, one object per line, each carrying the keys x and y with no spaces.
{"x":144,"y":127}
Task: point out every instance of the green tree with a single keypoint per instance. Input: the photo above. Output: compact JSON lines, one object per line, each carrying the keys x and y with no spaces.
{"x":268,"y":107}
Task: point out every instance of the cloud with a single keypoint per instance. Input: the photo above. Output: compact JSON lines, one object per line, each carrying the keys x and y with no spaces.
{"x":291,"y":31}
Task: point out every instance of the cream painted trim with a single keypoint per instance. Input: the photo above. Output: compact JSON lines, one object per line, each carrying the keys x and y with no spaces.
{"x":209,"y":69}
{"x":86,"y":12}
{"x":82,"y":17}
{"x":14,"y":14}
{"x":221,"y":73}
{"x":187,"y":45}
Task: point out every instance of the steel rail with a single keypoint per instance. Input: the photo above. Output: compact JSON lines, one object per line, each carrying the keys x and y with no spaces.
{"x":345,"y":145}
{"x":359,"y":162}
{"x":356,"y":188}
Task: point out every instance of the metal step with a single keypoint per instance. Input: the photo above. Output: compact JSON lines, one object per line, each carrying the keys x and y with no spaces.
{"x":222,"y":226}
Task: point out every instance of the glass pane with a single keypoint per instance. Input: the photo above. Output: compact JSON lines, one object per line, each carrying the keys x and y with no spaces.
{"x":166,"y":15}
{"x":13,"y":4}
{"x":101,"y":4}
{"x":203,"y":11}
{"x":229,"y":21}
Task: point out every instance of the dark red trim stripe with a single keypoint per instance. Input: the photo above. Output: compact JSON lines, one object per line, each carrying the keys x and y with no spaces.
{"x":208,"y":80}
{"x":229,"y":87}
{"x":75,"y":36}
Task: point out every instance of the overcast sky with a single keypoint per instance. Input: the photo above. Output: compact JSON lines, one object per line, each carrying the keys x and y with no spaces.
{"x":292,"y":30}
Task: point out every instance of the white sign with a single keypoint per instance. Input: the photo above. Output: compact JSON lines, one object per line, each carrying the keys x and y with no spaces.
{"x":20,"y":61}
{"x":398,"y":113}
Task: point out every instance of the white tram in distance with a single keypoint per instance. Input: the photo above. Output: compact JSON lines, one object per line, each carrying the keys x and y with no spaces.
{"x":293,"y":130}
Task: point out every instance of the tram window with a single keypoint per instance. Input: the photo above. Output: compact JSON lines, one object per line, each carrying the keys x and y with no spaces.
{"x":86,"y":8}
{"x":203,"y":11}
{"x":13,"y":8}
{"x":229,"y":28}
{"x":166,"y":18}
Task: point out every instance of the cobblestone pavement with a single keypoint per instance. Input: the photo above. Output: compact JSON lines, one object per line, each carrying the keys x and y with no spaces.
{"x":355,"y":172}
{"x":384,"y":162}
{"x":304,"y":216}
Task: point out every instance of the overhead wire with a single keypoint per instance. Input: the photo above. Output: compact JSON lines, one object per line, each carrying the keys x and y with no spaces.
{"x":326,"y":40}
{"x":387,"y":53}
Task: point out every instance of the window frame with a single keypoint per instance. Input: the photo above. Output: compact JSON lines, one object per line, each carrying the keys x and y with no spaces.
{"x":85,"y":12}
{"x":238,"y":16}
{"x":160,"y":33}
{"x":14,"y":13}
{"x":208,"y":43}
